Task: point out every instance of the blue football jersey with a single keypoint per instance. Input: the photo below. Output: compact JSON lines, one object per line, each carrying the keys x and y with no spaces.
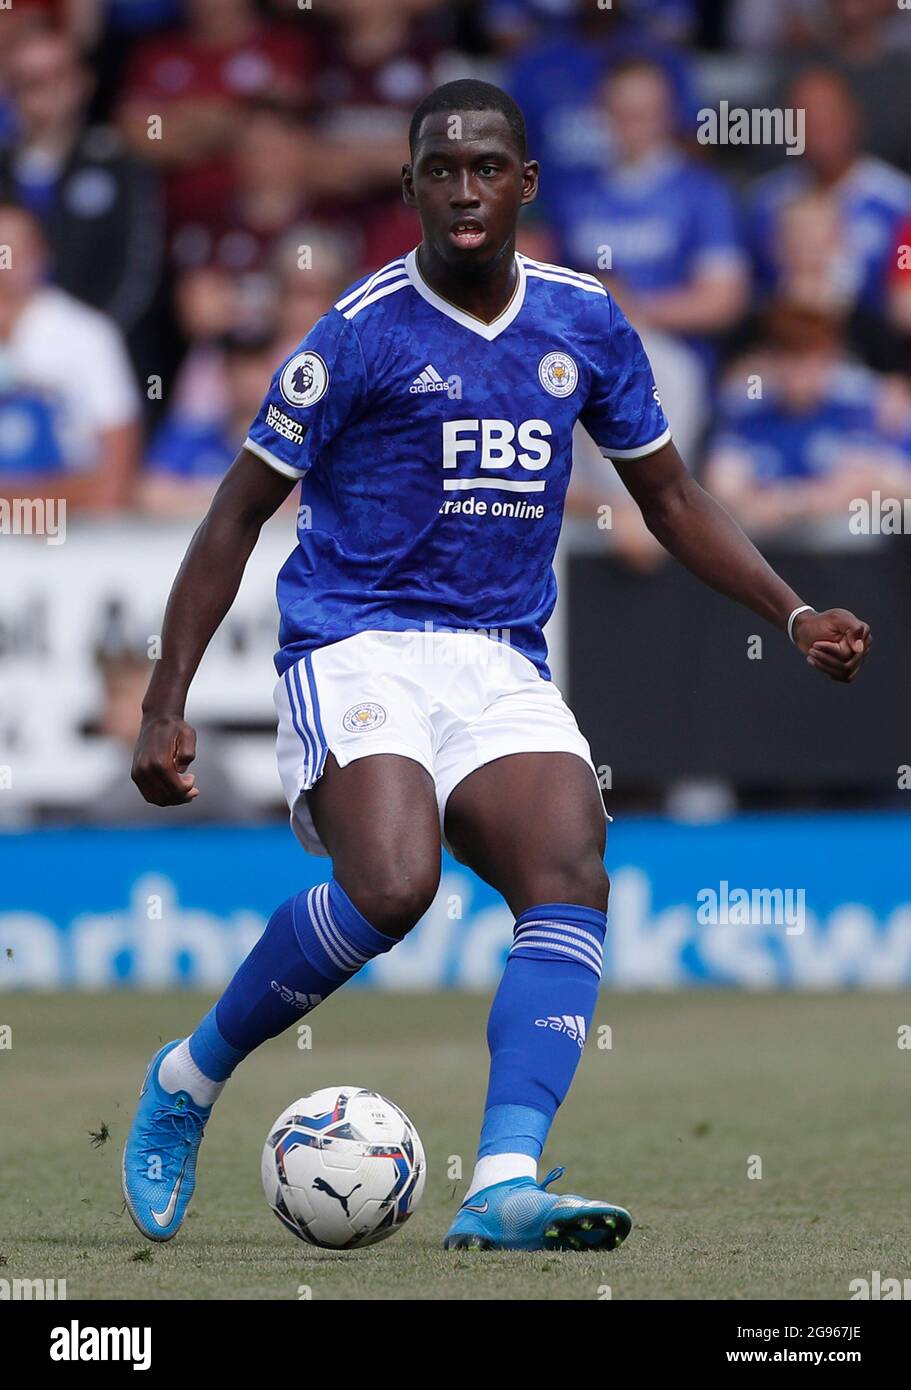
{"x":435,"y":452}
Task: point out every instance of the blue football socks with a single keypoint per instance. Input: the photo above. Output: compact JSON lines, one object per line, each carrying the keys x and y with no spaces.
{"x":312,"y":944}
{"x":538,"y":1025}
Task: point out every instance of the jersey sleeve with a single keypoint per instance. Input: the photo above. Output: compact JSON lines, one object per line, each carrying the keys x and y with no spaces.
{"x":310,"y":398}
{"x":623,"y":412}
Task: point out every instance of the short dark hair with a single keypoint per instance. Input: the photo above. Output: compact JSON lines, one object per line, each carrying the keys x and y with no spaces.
{"x":468,"y":94}
{"x":638,"y":62}
{"x":791,"y":329}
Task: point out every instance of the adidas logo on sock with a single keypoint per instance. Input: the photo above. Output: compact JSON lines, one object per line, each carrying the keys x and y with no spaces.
{"x":573,"y":1025}
{"x":427,"y":380}
{"x":304,"y":1002}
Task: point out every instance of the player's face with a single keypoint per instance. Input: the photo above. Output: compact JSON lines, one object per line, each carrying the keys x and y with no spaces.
{"x":468,"y":182}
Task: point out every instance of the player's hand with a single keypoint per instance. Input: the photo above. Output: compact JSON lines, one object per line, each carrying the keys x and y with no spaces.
{"x":164,"y":750}
{"x":835,"y":642}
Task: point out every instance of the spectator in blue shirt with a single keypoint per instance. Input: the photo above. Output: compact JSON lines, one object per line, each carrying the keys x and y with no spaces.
{"x":557,"y":78}
{"x":873,"y":197}
{"x":804,"y":429}
{"x":658,"y":225}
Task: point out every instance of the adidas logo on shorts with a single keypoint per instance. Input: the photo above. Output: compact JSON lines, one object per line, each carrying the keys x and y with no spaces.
{"x":573,"y":1025}
{"x":427,"y":380}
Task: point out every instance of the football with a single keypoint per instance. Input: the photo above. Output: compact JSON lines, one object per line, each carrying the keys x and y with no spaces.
{"x":343,"y":1167}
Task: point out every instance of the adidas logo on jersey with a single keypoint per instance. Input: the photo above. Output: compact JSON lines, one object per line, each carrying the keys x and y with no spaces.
{"x":573,"y":1025}
{"x":427,"y":380}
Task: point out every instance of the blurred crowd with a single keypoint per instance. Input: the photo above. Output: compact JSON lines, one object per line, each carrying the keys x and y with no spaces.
{"x":187,"y":185}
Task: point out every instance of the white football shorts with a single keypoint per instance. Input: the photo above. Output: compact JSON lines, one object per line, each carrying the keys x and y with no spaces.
{"x":452,"y":701}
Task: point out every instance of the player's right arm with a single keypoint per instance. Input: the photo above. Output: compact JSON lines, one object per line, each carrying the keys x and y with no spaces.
{"x":311,"y":397}
{"x":202,"y":593}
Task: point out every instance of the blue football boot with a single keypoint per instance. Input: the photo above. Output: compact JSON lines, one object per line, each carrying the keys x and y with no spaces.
{"x":159,"y":1157}
{"x":520,"y":1215}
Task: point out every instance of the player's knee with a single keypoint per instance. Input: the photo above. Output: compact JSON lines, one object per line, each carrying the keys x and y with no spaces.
{"x":394,"y":903}
{"x":583,"y":882}
{"x":587,"y":885}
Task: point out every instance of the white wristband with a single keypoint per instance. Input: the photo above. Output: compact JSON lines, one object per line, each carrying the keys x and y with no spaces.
{"x":804,"y":608}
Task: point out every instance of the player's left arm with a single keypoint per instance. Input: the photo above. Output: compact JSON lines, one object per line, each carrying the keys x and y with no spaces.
{"x":694,"y":528}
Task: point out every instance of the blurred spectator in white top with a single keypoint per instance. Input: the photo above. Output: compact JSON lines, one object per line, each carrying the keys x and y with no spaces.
{"x":100,"y":208}
{"x":68,"y":401}
{"x":804,"y":430}
{"x":665,"y":220}
{"x":873,"y":198}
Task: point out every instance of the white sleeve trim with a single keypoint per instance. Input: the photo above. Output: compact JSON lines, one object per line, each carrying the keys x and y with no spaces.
{"x":643,"y":450}
{"x":263,"y":453}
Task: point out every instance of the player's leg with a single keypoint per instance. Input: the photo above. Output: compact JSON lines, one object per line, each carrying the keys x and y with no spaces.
{"x":532,"y":825}
{"x":378,"y":819}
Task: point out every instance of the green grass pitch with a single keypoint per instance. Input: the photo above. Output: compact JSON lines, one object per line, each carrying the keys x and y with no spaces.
{"x":665,"y":1121}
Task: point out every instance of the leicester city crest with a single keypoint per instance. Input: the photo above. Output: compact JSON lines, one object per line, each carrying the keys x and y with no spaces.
{"x":361,"y":718}
{"x":558,"y":373}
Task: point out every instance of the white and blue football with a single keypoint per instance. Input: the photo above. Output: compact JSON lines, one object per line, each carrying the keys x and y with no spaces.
{"x":343,"y":1167}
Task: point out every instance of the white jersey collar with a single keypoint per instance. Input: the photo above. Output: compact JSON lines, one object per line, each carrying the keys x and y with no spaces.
{"x":483,"y":330}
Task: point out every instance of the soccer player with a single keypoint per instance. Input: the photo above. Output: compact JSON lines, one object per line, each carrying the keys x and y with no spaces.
{"x":428,"y":418}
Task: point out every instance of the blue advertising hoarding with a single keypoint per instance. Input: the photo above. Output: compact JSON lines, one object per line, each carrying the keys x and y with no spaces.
{"x":759,"y":902}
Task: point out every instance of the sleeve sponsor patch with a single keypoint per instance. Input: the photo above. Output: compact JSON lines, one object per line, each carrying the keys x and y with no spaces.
{"x":283,"y":424}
